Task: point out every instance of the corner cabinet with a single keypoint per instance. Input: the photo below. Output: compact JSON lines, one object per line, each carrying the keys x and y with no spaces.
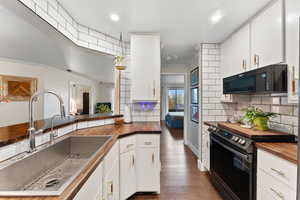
{"x":93,"y":187}
{"x":145,"y":67}
{"x":111,"y":174}
{"x":292,"y":48}
{"x":127,"y":167}
{"x":267,"y":36}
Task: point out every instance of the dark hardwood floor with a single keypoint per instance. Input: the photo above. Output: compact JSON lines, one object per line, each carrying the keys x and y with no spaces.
{"x":180,"y":177}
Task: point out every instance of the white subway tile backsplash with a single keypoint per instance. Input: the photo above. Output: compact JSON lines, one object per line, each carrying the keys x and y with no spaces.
{"x":53,"y":13}
{"x":87,"y":38}
{"x":65,"y":14}
{"x":42,"y":13}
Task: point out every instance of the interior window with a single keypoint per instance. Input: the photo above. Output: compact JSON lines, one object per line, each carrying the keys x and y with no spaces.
{"x":176,"y":99}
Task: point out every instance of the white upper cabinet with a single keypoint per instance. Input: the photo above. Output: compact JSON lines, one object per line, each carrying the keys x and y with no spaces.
{"x":145,"y":67}
{"x":227,"y":67}
{"x":241,"y":50}
{"x":292,"y":47}
{"x":267,"y":36}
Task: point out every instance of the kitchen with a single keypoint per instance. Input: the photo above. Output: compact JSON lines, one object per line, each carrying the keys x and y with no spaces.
{"x":81,"y":101}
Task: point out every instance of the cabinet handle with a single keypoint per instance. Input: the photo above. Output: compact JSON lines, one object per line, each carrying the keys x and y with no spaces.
{"x":278,"y":172}
{"x":153,"y":88}
{"x":147,"y":143}
{"x":153,"y":158}
{"x":129,"y":145}
{"x":110,"y":188}
{"x":133,"y":160}
{"x":256,"y":60}
{"x":279,"y":194}
{"x":293,"y":81}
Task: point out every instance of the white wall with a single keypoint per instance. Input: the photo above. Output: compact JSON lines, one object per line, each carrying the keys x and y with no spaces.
{"x":48,"y":78}
{"x":173,"y":68}
{"x":24,"y":36}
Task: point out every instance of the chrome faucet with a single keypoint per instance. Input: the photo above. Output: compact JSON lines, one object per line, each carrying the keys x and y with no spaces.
{"x":32,"y":130}
{"x":53,"y":134}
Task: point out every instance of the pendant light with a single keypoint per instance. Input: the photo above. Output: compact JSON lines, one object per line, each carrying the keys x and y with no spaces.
{"x":120,"y":59}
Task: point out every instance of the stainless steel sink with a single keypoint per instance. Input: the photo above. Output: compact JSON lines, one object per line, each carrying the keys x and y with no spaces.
{"x":49,"y":171}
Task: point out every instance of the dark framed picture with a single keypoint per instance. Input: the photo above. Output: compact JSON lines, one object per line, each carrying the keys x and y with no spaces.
{"x":195,"y":77}
{"x":194,"y":113}
{"x":194,"y":95}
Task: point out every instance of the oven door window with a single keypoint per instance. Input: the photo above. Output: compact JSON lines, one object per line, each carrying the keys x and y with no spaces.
{"x":232,"y":168}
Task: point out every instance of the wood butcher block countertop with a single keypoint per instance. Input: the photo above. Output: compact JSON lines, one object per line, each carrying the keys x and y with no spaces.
{"x":14,"y":133}
{"x":250,"y":133}
{"x":116,"y":131}
{"x":287,"y":151}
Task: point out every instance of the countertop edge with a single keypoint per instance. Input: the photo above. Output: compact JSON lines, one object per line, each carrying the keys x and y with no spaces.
{"x":283,"y":155}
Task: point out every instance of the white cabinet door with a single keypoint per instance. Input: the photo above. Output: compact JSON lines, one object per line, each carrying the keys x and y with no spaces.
{"x":148,"y":169}
{"x":241,"y":50}
{"x":227,"y":68}
{"x":111,"y":174}
{"x":127,"y":174}
{"x":292,"y":47}
{"x":111,"y":182}
{"x":93,"y":187}
{"x":145,"y":67}
{"x":267,"y":36}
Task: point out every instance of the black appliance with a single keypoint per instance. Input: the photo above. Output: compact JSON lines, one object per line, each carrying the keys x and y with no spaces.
{"x":233,"y":162}
{"x":265,"y":80}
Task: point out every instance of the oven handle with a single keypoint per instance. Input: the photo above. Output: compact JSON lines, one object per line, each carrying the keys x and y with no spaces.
{"x":231,"y":149}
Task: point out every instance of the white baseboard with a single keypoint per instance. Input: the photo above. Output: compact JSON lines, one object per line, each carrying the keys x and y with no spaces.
{"x":193,"y":148}
{"x":201,"y":166}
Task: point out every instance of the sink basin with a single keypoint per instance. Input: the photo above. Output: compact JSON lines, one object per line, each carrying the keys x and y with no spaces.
{"x":49,"y":171}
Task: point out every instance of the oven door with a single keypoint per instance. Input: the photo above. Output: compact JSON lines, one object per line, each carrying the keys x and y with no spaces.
{"x":231,"y":169}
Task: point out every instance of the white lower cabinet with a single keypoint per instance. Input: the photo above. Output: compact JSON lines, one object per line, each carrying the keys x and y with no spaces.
{"x":132,"y":165}
{"x":127,"y":174}
{"x":276,"y":177}
{"x":111,"y":174}
{"x":148,"y":169}
{"x":93,"y":187}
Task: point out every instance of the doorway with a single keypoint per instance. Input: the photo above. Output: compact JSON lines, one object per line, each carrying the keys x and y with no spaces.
{"x":173,"y":101}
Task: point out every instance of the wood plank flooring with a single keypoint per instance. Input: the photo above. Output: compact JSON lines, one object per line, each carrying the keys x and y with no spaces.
{"x":180,"y":177}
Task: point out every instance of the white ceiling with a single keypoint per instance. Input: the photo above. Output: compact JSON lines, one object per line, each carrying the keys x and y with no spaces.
{"x":182,"y":23}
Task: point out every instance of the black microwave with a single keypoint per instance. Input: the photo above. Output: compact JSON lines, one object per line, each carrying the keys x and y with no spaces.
{"x":265,"y":80}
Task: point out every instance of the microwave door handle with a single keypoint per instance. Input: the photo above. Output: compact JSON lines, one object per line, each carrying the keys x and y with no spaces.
{"x":246,"y":157}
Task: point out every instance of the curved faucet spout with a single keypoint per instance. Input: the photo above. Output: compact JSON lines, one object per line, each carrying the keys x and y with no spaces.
{"x":31,"y":129}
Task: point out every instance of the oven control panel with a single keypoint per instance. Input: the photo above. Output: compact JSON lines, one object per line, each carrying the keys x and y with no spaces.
{"x":240,"y":141}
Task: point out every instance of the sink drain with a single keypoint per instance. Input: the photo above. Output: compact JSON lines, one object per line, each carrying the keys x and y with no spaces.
{"x":52,"y":183}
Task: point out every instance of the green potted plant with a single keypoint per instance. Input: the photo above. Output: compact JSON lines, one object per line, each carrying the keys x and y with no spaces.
{"x":103,"y":109}
{"x":257,"y":117}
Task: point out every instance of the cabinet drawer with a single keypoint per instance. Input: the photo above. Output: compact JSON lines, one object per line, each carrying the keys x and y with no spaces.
{"x":148,"y":140}
{"x":279,"y":168}
{"x":127,"y":144}
{"x":270,"y":188}
{"x":95,"y":123}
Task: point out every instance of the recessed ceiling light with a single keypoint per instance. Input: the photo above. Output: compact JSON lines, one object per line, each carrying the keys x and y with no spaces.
{"x":216,"y":16}
{"x":114,"y":17}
